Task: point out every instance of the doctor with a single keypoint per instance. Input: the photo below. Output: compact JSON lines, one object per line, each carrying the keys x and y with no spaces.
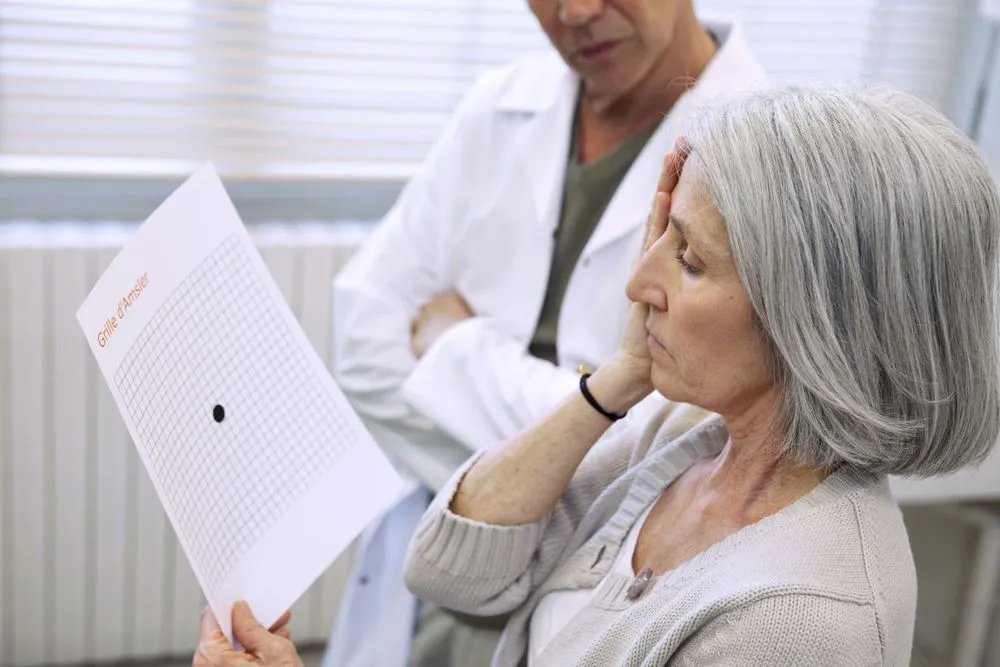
{"x":502,"y":269}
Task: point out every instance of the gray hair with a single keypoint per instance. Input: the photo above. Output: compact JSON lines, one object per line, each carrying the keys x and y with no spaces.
{"x":865,"y":229}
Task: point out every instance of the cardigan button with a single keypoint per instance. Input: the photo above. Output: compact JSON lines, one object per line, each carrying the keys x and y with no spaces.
{"x":639,"y":584}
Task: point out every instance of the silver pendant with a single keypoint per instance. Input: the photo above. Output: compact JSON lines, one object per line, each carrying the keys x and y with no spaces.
{"x":639,"y":584}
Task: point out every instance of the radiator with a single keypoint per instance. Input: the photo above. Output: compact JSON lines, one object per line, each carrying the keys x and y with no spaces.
{"x":90,"y":569}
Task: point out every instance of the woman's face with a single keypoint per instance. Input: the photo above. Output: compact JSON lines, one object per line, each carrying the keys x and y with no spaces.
{"x":705,"y":347}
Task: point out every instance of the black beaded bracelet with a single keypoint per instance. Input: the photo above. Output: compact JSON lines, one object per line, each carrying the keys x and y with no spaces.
{"x":593,"y":401}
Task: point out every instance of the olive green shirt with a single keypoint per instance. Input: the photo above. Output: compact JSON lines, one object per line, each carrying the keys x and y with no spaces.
{"x":587,"y":190}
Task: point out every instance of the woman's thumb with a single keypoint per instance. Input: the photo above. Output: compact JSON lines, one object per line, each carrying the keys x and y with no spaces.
{"x":247,"y":630}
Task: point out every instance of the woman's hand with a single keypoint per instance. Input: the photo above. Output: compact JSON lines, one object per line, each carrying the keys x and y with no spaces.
{"x":264,"y":647}
{"x":631,"y":364}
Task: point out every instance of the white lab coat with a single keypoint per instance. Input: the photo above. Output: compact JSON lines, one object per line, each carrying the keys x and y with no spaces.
{"x":479,"y":218}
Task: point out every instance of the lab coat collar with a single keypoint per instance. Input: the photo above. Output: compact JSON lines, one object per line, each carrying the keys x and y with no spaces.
{"x":543,"y":98}
{"x":546,"y":85}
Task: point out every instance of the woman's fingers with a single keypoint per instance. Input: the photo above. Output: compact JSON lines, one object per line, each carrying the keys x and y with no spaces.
{"x":673,"y":165}
{"x":650,"y":236}
{"x":281,"y":622}
{"x":657,"y":219}
{"x":213,"y":649}
{"x":683,"y":148}
{"x":208,"y":625}
{"x":656,"y":223}
{"x":272,"y":646}
{"x":269,"y":648}
{"x":247,"y":629}
{"x":209,"y":630}
{"x":669,"y":174}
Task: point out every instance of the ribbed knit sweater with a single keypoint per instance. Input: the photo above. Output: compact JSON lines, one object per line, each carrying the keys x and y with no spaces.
{"x":828,"y":580}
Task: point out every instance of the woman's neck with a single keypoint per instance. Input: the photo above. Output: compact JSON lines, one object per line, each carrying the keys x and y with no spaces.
{"x":752,"y":468}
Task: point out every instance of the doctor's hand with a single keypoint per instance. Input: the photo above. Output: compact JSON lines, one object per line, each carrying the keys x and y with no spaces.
{"x":263,"y":647}
{"x":440,"y":314}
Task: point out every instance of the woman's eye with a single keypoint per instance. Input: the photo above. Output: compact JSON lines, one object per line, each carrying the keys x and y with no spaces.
{"x":685,"y":263}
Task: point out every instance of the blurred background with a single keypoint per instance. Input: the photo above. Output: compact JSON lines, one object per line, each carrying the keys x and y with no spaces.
{"x":315,"y":112}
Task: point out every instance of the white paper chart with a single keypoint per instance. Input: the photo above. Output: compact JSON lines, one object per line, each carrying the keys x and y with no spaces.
{"x":264,"y":470}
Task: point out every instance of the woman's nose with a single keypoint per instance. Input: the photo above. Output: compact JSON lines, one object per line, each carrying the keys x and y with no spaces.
{"x":646,"y":283}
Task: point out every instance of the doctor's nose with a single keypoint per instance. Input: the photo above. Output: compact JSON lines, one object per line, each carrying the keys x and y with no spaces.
{"x":646,"y":283}
{"x":575,"y":13}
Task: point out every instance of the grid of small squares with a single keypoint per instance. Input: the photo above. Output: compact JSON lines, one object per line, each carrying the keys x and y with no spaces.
{"x":220,"y":340}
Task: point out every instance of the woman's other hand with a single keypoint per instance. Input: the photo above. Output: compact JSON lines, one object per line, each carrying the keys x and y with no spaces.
{"x":263,"y":647}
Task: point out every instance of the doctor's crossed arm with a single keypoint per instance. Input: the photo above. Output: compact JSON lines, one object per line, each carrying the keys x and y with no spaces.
{"x":440,"y":314}
{"x":406,"y":338}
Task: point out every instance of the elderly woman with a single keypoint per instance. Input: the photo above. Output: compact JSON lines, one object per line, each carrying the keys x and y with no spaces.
{"x":816,"y":299}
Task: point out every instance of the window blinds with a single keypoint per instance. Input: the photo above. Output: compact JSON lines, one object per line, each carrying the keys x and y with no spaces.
{"x":350,"y":89}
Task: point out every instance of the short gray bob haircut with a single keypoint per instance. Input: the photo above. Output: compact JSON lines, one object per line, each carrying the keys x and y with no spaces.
{"x":865,"y":228}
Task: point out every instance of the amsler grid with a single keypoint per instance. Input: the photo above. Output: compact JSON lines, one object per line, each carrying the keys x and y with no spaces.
{"x":227,"y":403}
